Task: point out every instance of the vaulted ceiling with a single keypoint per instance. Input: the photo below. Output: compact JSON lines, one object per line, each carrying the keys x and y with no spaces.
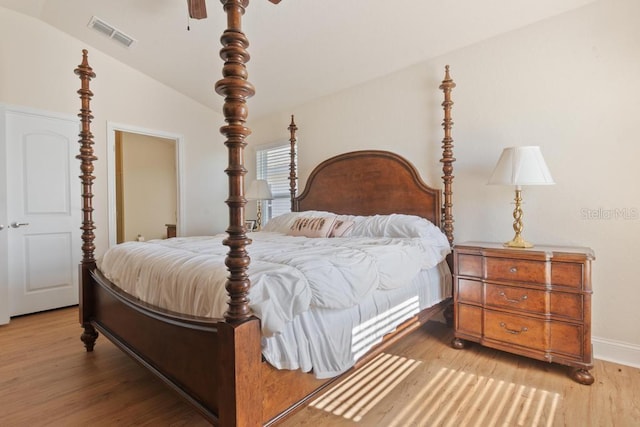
{"x":300,"y":49}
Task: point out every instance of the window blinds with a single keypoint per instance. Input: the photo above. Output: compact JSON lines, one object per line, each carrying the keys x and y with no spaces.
{"x":273,"y":165}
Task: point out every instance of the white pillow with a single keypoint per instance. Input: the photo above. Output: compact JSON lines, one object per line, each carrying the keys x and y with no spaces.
{"x":394,"y":225}
{"x":433,"y":239}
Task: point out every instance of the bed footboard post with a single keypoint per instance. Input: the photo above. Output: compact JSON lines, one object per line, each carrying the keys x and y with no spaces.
{"x":87,"y":157}
{"x":240,"y":382}
{"x":236,"y":90}
{"x":89,"y":336}
{"x":240,"y":375}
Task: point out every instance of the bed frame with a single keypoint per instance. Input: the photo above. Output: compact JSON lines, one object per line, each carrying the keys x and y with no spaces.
{"x":216,"y":364}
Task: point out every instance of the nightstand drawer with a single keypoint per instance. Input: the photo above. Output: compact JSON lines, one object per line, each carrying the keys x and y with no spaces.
{"x":568,"y":305}
{"x":516,"y":298}
{"x":567,"y":274}
{"x":567,"y":339}
{"x":469,"y":319}
{"x":516,"y":270}
{"x":557,"y":304}
{"x":512,"y":329}
{"x":469,"y":265}
{"x":469,"y":291}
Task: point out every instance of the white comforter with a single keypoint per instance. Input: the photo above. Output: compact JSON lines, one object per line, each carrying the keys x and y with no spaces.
{"x":288,"y":274}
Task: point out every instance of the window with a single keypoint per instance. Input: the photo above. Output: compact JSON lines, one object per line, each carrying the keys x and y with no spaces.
{"x":272,"y":164}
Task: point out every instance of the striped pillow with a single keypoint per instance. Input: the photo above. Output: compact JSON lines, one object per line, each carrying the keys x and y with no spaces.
{"x":312,"y":226}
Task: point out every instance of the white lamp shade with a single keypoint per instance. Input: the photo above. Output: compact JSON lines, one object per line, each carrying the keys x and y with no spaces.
{"x":259,"y":190}
{"x":521,"y":166}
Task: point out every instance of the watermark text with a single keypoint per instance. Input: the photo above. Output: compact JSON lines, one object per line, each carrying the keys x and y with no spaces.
{"x":610,"y":214}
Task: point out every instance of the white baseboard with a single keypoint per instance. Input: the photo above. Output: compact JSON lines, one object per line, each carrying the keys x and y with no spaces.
{"x":616,"y":351}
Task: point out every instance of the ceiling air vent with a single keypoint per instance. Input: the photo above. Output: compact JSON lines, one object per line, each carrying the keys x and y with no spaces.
{"x":110,"y":31}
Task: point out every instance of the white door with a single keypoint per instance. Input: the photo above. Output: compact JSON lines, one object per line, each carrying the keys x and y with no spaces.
{"x":4,"y":241}
{"x":43,"y":211}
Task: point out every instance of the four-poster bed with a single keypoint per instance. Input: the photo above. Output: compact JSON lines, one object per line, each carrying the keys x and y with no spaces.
{"x":216,"y":363}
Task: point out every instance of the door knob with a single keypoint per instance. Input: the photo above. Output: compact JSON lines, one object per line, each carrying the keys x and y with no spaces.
{"x":18,"y":224}
{"x":1,"y":227}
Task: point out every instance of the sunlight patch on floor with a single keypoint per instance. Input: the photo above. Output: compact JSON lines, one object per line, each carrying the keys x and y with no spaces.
{"x":454,"y":398}
{"x":449,"y":398}
{"x":361,"y":391}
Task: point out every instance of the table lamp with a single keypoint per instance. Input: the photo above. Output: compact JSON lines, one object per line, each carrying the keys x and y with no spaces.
{"x":259,"y":190}
{"x":520,"y":166}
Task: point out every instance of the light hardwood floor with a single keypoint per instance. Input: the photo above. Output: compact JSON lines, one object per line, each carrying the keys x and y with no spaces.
{"x":46,"y":379}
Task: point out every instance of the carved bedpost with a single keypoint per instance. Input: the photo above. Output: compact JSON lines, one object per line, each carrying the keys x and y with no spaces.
{"x":236,"y":90}
{"x":447,"y":168}
{"x":447,"y":156}
{"x":87,"y":158}
{"x":240,"y":333}
{"x":292,"y":165}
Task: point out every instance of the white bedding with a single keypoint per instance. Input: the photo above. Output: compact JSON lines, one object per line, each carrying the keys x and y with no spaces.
{"x":323,"y":302}
{"x":289,"y":275}
{"x":328,"y":342}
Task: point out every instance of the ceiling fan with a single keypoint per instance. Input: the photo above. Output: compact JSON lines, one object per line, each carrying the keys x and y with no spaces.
{"x":198,"y":8}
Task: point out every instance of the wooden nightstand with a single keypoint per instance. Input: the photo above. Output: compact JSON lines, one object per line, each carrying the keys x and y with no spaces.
{"x":533,"y":302}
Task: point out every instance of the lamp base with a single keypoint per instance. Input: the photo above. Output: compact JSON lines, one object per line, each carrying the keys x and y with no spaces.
{"x":518,"y":242}
{"x":259,"y":216}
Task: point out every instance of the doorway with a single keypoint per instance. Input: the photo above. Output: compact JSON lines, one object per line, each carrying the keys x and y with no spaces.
{"x":144,"y":184}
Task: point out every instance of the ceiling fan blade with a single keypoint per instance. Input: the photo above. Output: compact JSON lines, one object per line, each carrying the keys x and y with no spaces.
{"x":197,"y":9}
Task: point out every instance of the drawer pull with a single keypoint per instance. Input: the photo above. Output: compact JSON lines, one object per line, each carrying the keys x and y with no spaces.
{"x":513,"y":270}
{"x":513,"y":301}
{"x":513,"y":331}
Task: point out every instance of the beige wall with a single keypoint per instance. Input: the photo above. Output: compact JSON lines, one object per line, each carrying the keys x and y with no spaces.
{"x":150,"y":185}
{"x":37,"y":72}
{"x":570,"y":84}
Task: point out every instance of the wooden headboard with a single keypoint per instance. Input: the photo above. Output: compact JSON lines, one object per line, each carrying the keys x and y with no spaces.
{"x":369,"y":182}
